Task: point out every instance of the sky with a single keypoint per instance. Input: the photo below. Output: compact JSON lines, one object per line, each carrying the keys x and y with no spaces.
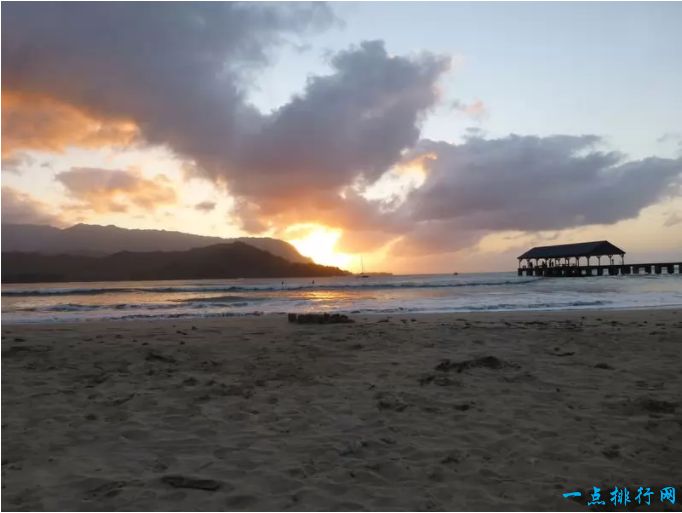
{"x":422,"y":137}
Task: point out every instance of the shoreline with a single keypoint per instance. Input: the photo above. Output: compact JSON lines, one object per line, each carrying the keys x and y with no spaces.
{"x":351,"y":314}
{"x":459,"y":411}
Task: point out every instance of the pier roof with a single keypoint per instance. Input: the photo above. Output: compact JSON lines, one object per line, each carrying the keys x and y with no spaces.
{"x":581,"y":249}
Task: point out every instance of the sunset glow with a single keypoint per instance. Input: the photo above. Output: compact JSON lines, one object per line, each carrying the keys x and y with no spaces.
{"x":319,"y":243}
{"x":419,"y":151}
{"x":325,"y":256}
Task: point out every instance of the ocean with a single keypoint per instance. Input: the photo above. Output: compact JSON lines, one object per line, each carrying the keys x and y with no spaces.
{"x":50,"y":302}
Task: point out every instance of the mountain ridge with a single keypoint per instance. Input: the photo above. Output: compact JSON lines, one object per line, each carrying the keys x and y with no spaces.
{"x":99,"y":240}
{"x":220,"y":261}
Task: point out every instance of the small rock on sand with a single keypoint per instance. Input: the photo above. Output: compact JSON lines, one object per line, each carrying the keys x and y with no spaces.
{"x":191,"y":482}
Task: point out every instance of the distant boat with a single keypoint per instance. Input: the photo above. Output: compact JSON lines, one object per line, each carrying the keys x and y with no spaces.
{"x":455,"y":274}
{"x":362,"y":269}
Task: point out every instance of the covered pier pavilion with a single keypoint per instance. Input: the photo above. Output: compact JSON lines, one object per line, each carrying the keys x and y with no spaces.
{"x":584,"y":259}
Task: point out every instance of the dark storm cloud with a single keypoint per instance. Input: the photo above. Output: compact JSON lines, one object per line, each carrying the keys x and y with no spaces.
{"x":530,"y":183}
{"x":175,"y":69}
{"x":178,"y":74}
{"x":354,"y":122}
{"x":538,"y":183}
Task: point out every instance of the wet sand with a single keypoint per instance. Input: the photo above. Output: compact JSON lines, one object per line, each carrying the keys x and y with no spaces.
{"x":501,"y":411}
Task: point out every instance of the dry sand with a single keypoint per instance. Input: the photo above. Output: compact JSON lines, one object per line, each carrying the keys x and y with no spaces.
{"x":256,"y":413}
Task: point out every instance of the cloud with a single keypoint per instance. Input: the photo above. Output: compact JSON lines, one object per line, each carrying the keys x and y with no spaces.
{"x":673,"y":219}
{"x":205,"y":206}
{"x":179,"y":72}
{"x":351,"y":124}
{"x":36,"y":122}
{"x":13,"y":163}
{"x":112,"y":190}
{"x":175,"y":70}
{"x":530,"y":183}
{"x":21,"y":208}
{"x":476,"y":110}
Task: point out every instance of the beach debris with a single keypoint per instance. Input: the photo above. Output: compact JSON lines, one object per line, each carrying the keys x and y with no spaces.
{"x":453,"y":457}
{"x":353,"y":447}
{"x":121,"y":400}
{"x":324,"y":318}
{"x":489,"y":362}
{"x":390,"y":402}
{"x":92,"y":380}
{"x":653,"y":407}
{"x":611,"y":452}
{"x":438,"y":379}
{"x":650,"y":386}
{"x":156,"y":356}
{"x":656,"y":406}
{"x":194,"y":483}
{"x":15,"y":350}
{"x":106,"y":490}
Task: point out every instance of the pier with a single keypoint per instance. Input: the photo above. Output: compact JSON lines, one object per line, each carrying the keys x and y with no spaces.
{"x":572,"y":271}
{"x":585,"y":259}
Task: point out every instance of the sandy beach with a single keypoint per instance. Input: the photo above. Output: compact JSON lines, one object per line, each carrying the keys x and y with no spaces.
{"x":502,"y":411}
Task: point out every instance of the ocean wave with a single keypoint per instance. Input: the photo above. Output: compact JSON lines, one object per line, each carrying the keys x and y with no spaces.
{"x":65,"y":292}
{"x":207,"y":305}
{"x":219,"y":300}
{"x":78,"y":313}
{"x":264,"y":288}
{"x":76,"y":307}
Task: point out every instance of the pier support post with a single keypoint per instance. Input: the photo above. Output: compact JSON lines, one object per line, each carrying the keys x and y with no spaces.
{"x":657,"y":269}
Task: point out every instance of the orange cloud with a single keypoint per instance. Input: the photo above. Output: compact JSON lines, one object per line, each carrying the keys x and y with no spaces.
{"x":38,"y":122}
{"x":112,"y":190}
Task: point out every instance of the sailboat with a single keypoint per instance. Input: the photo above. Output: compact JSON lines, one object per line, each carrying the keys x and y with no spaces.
{"x":362,"y":269}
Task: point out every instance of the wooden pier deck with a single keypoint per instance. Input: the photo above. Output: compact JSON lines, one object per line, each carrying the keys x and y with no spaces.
{"x":574,"y":271}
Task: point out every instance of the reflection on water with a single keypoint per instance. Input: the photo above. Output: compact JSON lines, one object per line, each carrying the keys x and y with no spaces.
{"x":421,"y":293}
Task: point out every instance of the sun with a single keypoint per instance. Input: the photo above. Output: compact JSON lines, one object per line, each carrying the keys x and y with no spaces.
{"x":319,"y":243}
